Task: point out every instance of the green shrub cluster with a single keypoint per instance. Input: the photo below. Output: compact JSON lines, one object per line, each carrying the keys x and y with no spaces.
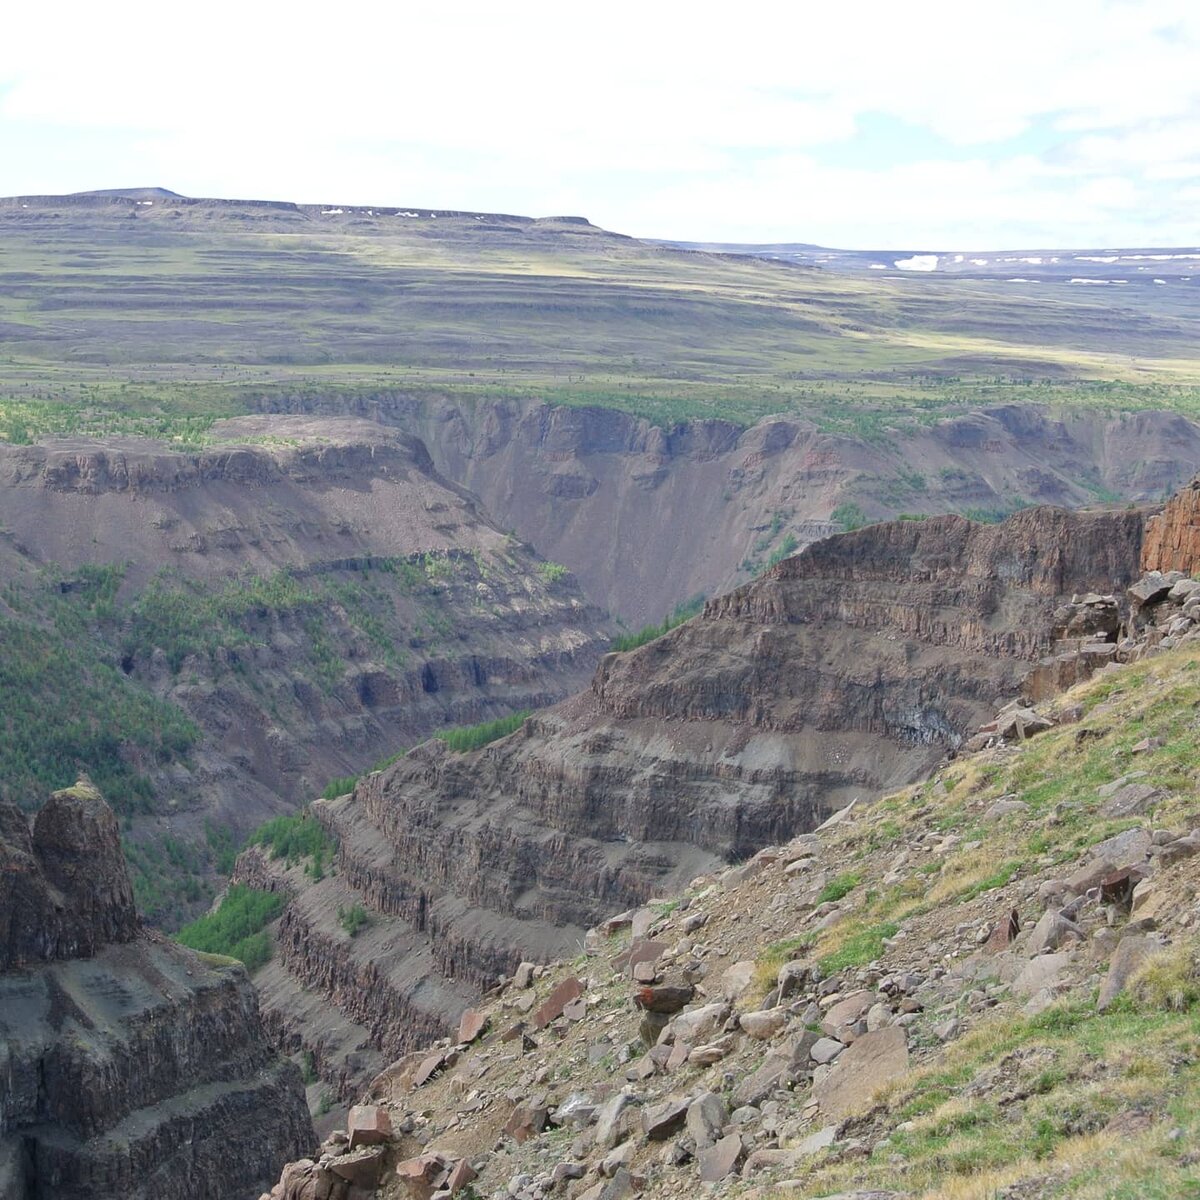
{"x":551,"y":572}
{"x":849,"y":516}
{"x":237,"y":928}
{"x":786,"y":549}
{"x":472,"y":737}
{"x":295,"y":838}
{"x":353,"y":919}
{"x":683,"y":612}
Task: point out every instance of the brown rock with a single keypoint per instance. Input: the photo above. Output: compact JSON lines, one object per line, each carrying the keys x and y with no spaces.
{"x":558,"y":999}
{"x":368,"y":1125}
{"x":421,"y":1174}
{"x":361,"y":1168}
{"x":663,"y":999}
{"x":526,"y":1122}
{"x":640,"y":951}
{"x":471,"y":1025}
{"x":428,"y":1067}
{"x":1003,"y":933}
{"x":861,"y":1069}
{"x":461,"y":1174}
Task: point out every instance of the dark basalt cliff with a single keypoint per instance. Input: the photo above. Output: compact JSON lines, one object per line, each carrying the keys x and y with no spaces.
{"x":130,"y":1068}
{"x":847,"y":670}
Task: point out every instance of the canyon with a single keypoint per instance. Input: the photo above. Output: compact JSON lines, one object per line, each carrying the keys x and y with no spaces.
{"x":648,"y":517}
{"x":847,"y":670}
{"x":290,"y":606}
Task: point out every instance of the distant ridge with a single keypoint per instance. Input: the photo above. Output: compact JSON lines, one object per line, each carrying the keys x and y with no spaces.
{"x":141,"y":193}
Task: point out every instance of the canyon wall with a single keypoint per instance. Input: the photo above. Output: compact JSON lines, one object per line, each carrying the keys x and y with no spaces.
{"x":1173,"y":535}
{"x":647,"y":516}
{"x":130,"y":1068}
{"x":312,"y":596}
{"x":847,"y":670}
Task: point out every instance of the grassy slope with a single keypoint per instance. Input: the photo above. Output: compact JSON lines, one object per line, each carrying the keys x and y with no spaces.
{"x":1070,"y":1068}
{"x":159,"y":327}
{"x":1017,"y":1106}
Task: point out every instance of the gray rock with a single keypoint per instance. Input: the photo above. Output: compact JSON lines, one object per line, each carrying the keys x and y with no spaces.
{"x":1132,"y":800}
{"x":720,"y":1161}
{"x":788,"y":1060}
{"x":870,"y":1062}
{"x":1051,"y":931}
{"x":659,"y":1121}
{"x":1131,"y":952}
{"x":765,"y":1023}
{"x":613,"y":1121}
{"x":706,"y":1116}
{"x":825,"y":1050}
{"x":1005,"y":808}
{"x":1044,"y":971}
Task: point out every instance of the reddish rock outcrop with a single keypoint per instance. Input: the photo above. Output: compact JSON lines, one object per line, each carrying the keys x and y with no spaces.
{"x":1173,"y":535}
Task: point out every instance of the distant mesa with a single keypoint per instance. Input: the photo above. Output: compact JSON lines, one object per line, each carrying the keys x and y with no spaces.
{"x":141,"y":193}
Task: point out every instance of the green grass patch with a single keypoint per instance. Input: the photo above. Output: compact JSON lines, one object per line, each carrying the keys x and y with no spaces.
{"x":839,"y":888}
{"x":859,"y":949}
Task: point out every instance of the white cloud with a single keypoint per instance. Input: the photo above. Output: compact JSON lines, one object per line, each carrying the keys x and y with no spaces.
{"x":660,"y":119}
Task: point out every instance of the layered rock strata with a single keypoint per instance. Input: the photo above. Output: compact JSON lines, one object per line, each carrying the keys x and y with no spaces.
{"x":130,"y":1068}
{"x":358,"y":602}
{"x":649,"y":516}
{"x":848,"y":669}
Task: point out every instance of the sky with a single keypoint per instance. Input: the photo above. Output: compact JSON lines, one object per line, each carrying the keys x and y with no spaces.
{"x":925,"y":125}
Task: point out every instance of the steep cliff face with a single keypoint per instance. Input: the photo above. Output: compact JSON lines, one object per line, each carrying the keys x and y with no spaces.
{"x":647,"y":517}
{"x":304,"y":598}
{"x":848,"y":669}
{"x":130,"y":1068}
{"x":1173,"y":536}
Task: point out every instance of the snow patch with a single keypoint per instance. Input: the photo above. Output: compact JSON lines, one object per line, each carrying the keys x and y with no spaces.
{"x":877,"y":266}
{"x":332,"y":212}
{"x":918,"y":262}
{"x":1100,"y":258}
{"x":1155,"y":257}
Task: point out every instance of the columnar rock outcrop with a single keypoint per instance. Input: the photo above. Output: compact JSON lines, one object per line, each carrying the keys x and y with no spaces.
{"x":1173,"y":535}
{"x":130,"y":1068}
{"x":851,"y":668}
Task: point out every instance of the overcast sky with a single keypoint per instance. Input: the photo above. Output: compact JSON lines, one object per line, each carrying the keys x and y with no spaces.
{"x":918,"y":125}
